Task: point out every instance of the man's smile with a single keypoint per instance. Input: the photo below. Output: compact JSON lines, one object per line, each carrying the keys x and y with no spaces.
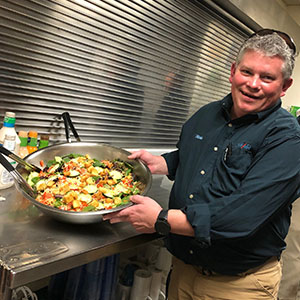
{"x":250,"y":95}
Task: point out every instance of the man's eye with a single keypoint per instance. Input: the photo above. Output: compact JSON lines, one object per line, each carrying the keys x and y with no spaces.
{"x":246,"y":72}
{"x":267,"y":78}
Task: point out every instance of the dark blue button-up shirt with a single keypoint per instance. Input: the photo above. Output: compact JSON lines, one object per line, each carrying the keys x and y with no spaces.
{"x":235,"y":180}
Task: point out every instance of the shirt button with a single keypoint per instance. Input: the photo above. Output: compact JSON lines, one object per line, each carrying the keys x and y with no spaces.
{"x":191,"y":196}
{"x":191,"y":252}
{"x":202,"y":172}
{"x":216,"y":149}
{"x":229,"y":125}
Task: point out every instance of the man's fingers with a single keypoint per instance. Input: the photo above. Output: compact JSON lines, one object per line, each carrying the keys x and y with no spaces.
{"x":122,"y":214}
{"x":135,"y":154}
{"x":117,"y":220}
{"x":137,"y":199}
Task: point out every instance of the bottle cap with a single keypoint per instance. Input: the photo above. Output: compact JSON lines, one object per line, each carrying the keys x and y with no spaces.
{"x":33,"y":134}
{"x":45,"y":137}
{"x":10,"y":114}
{"x":23,"y":134}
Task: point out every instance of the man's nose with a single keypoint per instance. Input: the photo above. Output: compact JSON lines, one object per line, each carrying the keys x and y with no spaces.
{"x":254,"y":82}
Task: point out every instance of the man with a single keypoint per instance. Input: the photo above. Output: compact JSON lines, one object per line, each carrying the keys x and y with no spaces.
{"x":236,"y":174}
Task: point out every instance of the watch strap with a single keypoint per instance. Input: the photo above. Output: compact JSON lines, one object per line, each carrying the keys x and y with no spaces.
{"x":163,"y":215}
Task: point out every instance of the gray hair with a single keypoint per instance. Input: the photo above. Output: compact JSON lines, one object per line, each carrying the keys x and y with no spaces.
{"x":270,"y":45}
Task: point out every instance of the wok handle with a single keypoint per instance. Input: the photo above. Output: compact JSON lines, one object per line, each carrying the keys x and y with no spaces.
{"x":18,"y":159}
{"x":68,"y":123}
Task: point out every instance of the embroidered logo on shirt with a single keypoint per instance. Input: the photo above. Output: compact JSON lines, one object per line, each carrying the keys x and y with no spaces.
{"x":245,"y":146}
{"x":198,"y":137}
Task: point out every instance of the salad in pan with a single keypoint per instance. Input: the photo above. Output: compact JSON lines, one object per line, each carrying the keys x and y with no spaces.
{"x":76,"y":182}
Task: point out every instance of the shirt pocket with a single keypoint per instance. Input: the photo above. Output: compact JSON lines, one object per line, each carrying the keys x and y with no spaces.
{"x":238,"y":161}
{"x":230,"y":169}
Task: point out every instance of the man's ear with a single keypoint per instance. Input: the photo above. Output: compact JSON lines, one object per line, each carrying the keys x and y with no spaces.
{"x":232,"y":71}
{"x":287,"y":83}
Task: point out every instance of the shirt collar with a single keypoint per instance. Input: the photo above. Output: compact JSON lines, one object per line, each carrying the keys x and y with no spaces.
{"x":227,"y":104}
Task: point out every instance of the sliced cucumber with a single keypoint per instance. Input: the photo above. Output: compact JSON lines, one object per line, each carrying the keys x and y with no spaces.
{"x":85,"y":198}
{"x":91,"y":188}
{"x":74,"y":173}
{"x":90,"y":180}
{"x":116,"y":175}
{"x":30,"y":176}
{"x":58,"y":159}
{"x":111,"y":193}
{"x":99,"y":169}
{"x":100,"y":206}
{"x":120,"y":188}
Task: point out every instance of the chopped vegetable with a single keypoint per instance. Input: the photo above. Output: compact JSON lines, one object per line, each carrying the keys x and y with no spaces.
{"x":77,"y":182}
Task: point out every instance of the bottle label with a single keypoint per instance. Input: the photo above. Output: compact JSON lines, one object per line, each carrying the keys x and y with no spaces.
{"x":9,"y":142}
{"x":9,"y":122}
{"x":9,"y":145}
{"x":23,"y":141}
{"x":32,"y":142}
{"x":43,"y":144}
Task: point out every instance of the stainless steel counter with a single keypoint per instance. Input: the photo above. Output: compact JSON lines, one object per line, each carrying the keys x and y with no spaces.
{"x":34,"y":246}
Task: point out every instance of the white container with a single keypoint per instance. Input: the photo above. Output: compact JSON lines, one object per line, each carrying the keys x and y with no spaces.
{"x":9,"y":129}
{"x":6,"y":180}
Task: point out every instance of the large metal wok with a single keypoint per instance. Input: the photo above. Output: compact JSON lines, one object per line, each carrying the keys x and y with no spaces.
{"x":95,"y":150}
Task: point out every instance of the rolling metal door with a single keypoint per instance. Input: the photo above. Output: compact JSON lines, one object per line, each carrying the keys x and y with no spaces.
{"x":128,"y":72}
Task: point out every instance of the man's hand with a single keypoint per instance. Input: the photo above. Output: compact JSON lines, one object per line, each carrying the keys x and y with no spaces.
{"x":142,"y":215}
{"x":155,"y":163}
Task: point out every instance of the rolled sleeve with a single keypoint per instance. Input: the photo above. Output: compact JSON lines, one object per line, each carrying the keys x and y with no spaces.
{"x":198,"y":216}
{"x":171,"y":159}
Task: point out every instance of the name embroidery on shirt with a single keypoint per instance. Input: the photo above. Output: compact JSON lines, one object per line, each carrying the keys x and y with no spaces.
{"x":198,"y":137}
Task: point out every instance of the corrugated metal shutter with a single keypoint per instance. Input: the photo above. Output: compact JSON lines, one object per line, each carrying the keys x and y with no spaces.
{"x":128,"y":72}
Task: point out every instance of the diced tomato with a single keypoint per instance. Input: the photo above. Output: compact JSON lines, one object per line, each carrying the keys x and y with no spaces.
{"x":42,"y":174}
{"x":81,"y":171}
{"x":107,"y":163}
{"x":42,"y":163}
{"x":47,"y":195}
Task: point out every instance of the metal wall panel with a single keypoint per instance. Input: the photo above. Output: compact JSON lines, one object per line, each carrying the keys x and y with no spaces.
{"x":128,"y":72}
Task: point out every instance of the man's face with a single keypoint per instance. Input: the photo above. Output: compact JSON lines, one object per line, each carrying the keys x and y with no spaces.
{"x":256,"y":83}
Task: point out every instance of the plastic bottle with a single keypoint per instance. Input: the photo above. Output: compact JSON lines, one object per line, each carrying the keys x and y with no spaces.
{"x":23,"y":146}
{"x":6,"y":180}
{"x":32,"y":145}
{"x":9,"y":129}
{"x":44,"y":141}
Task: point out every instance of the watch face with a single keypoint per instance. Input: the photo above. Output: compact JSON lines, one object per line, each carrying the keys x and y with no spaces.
{"x":162,"y":227}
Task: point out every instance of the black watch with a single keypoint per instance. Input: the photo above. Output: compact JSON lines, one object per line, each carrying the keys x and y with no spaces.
{"x":162,"y":225}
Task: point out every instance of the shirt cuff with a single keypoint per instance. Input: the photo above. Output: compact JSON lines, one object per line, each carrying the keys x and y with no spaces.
{"x":171,"y":159}
{"x":199,"y":217}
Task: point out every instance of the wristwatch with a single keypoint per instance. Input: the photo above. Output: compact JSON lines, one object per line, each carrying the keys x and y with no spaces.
{"x":162,"y":225}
